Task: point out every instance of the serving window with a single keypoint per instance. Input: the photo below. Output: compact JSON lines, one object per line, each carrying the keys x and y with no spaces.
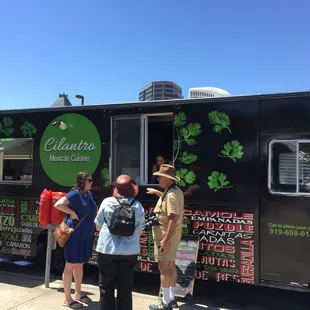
{"x":289,"y":167}
{"x":16,"y":160}
{"x":138,"y":143}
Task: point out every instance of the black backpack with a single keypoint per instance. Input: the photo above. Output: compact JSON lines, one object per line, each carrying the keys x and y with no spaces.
{"x":123,"y":220}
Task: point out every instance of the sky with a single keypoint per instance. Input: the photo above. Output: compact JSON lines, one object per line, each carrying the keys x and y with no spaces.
{"x":108,"y":50}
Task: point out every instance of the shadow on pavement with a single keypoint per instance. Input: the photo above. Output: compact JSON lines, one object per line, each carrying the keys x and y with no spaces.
{"x":144,"y":283}
{"x":20,"y":280}
{"x":92,"y":306}
{"x":215,"y":295}
{"x":61,"y":290}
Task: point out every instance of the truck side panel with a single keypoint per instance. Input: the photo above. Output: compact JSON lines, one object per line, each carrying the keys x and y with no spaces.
{"x":284,"y":219}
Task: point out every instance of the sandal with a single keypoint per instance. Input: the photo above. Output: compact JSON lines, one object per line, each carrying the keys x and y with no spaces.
{"x":73,"y":305}
{"x":85,"y":299}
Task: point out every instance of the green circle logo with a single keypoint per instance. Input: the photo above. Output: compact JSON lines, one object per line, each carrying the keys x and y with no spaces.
{"x":71,"y":143}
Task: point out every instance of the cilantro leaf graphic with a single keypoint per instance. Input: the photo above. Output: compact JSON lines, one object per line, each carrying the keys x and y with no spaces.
{"x":7,"y":122}
{"x":190,"y":177}
{"x":220,"y":120}
{"x":190,"y":141}
{"x":188,"y":158}
{"x":232,"y":150}
{"x":217,"y":180}
{"x":28,"y":129}
{"x":179,"y":119}
{"x":5,"y":127}
{"x":185,"y":176}
{"x":105,"y":175}
{"x":192,"y":130}
{"x":185,"y":135}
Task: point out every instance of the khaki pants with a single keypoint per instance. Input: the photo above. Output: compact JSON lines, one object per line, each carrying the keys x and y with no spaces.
{"x":170,"y":252}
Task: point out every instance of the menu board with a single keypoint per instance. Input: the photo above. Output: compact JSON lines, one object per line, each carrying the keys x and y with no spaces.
{"x":18,"y":226}
{"x":186,"y":265}
{"x":226,"y":245}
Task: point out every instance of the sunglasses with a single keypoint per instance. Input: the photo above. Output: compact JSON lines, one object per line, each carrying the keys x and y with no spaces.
{"x":90,"y":180}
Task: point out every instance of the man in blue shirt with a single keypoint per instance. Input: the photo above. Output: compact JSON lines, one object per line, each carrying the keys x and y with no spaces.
{"x":117,"y":255}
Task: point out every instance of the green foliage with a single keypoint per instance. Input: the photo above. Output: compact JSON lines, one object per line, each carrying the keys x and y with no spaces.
{"x":180,"y":119}
{"x":232,"y":150}
{"x":6,"y":128}
{"x":185,"y":176}
{"x":192,"y":130}
{"x":105,"y":175}
{"x":217,"y":180}
{"x":185,"y":134}
{"x":28,"y":129}
{"x":220,"y":120}
{"x":188,"y":158}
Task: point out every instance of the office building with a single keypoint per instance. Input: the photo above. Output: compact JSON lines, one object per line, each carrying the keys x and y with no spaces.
{"x":207,"y":92}
{"x":160,"y":90}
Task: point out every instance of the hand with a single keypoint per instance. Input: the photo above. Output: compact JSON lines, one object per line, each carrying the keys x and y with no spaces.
{"x":73,"y":216}
{"x":164,"y":244}
{"x":151,"y":191}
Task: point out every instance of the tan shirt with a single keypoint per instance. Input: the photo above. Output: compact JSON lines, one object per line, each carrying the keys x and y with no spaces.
{"x":172,"y":204}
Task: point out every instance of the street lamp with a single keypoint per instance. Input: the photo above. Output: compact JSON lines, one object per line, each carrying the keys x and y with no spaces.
{"x":80,"y":97}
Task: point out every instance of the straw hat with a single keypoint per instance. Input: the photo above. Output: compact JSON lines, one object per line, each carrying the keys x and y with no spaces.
{"x":125,"y":187}
{"x":167,"y":171}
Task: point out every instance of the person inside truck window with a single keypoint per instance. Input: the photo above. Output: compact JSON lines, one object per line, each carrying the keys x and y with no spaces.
{"x":159,"y":161}
{"x":77,"y":204}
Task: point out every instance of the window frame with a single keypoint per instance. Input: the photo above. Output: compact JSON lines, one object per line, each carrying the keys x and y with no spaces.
{"x":270,"y":157}
{"x":144,"y":159}
{"x":4,"y":157}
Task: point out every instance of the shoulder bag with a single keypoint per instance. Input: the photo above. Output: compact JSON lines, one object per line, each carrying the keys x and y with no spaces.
{"x":63,"y":232}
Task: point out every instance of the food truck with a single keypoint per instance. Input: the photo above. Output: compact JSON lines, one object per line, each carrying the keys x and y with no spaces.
{"x":243,"y":164}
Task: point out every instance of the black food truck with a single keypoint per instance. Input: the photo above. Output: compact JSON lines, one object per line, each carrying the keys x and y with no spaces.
{"x":243,"y":163}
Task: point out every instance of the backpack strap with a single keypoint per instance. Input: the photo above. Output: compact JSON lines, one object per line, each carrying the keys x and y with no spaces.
{"x":132,"y":202}
{"x":118,"y":201}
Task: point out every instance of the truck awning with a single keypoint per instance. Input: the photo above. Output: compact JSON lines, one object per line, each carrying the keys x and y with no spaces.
{"x":10,"y":143}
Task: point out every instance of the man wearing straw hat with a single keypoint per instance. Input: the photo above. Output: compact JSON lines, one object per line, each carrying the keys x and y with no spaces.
{"x":169,"y":210}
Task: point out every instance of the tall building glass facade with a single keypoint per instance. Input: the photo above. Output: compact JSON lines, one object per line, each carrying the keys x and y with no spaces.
{"x":163,"y":90}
